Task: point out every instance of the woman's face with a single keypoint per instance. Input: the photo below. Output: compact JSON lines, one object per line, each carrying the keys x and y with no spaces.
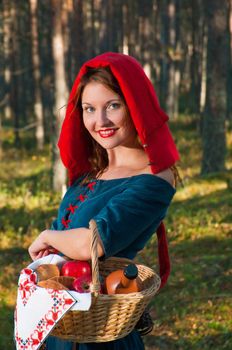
{"x":106,"y":118}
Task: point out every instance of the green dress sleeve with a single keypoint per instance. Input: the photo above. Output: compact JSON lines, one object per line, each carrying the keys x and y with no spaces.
{"x":129,"y":219}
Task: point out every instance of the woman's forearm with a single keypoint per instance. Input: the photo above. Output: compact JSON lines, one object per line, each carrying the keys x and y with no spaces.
{"x":74,"y":243}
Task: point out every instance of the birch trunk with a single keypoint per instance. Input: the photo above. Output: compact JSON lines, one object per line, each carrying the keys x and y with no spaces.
{"x":61,"y":92}
{"x":7,"y":27}
{"x":38,"y":107}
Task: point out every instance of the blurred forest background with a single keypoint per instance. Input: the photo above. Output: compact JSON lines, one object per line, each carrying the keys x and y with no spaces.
{"x":185,"y":48}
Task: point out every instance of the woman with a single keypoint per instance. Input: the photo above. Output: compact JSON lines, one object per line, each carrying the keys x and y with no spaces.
{"x":119,"y":154}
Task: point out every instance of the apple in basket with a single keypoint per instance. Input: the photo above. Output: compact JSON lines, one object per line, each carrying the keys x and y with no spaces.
{"x":82,"y":284}
{"x":76,"y":268}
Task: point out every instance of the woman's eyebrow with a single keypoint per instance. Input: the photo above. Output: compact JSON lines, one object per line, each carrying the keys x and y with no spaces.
{"x":107,"y":102}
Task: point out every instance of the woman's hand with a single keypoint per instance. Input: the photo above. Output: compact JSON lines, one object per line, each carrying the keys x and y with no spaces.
{"x":39,"y":248}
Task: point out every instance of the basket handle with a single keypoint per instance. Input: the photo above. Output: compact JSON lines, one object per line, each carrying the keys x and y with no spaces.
{"x":96,"y":286}
{"x":163,"y":256}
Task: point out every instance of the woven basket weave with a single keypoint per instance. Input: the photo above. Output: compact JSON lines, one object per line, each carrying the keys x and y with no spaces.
{"x":111,"y":316}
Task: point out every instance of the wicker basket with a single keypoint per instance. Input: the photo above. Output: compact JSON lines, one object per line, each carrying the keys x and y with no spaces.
{"x":111,"y":316}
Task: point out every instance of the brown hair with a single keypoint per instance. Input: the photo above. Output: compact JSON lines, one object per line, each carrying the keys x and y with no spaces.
{"x":98,"y":156}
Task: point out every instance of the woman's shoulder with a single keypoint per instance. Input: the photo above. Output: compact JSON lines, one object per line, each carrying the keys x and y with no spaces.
{"x":164,"y":177}
{"x":168,"y":176}
{"x":151,"y":188}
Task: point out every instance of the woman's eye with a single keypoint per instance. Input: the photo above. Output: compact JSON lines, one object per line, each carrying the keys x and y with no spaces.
{"x":113,"y":106}
{"x":89,"y":109}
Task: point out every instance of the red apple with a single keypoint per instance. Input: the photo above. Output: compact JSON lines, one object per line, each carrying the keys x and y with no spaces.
{"x":82,"y":284}
{"x":76,"y":268}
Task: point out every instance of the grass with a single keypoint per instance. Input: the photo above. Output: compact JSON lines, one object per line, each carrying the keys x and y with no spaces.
{"x":194,"y":309}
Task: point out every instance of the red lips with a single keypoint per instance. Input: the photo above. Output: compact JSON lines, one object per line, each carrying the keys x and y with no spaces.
{"x":107,"y":132}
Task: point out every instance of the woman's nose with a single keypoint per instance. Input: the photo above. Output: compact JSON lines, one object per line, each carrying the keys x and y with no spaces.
{"x":102,"y":118}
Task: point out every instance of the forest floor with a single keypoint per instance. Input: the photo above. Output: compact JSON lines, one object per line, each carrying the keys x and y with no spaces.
{"x":193,"y":311}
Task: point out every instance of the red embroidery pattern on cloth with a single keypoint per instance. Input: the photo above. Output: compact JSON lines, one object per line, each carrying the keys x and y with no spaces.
{"x":82,"y":197}
{"x":91,"y":185}
{"x":72,"y":208}
{"x":61,"y":302}
{"x":65,"y":222}
{"x":27,"y":284}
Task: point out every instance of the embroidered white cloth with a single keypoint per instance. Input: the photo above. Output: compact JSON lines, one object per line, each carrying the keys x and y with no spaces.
{"x":39,"y":309}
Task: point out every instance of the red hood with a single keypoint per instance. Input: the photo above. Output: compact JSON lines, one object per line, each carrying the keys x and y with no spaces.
{"x":149,"y":119}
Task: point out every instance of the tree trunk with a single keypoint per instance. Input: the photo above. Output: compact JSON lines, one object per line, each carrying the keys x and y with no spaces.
{"x":164,"y":62}
{"x":15,"y":83}
{"x":171,"y":92}
{"x":103,"y":30}
{"x":118,"y":24}
{"x":38,"y":108}
{"x":93,"y":31}
{"x":144,"y":37}
{"x":60,"y":91}
{"x":125,"y":45}
{"x":213,"y":133}
{"x":130,"y":28}
{"x":203,"y":69}
{"x":229,"y":79}
{"x":196,"y":59}
{"x":66,"y":34}
{"x":177,"y":65}
{"x":46,"y":67}
{"x":77,"y":38}
{"x":7,"y":24}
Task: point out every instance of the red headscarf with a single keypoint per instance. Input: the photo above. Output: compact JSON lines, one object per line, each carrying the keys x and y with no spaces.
{"x":148,"y":118}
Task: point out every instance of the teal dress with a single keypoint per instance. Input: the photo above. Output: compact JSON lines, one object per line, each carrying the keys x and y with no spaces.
{"x":127,"y":212}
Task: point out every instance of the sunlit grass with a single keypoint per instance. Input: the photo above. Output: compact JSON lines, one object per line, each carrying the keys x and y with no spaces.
{"x":199,"y":187}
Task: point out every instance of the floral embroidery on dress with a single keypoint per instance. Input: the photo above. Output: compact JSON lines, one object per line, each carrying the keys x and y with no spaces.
{"x":72,"y":208}
{"x":82,"y":197}
{"x":91,"y":185}
{"x":65,"y":222}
